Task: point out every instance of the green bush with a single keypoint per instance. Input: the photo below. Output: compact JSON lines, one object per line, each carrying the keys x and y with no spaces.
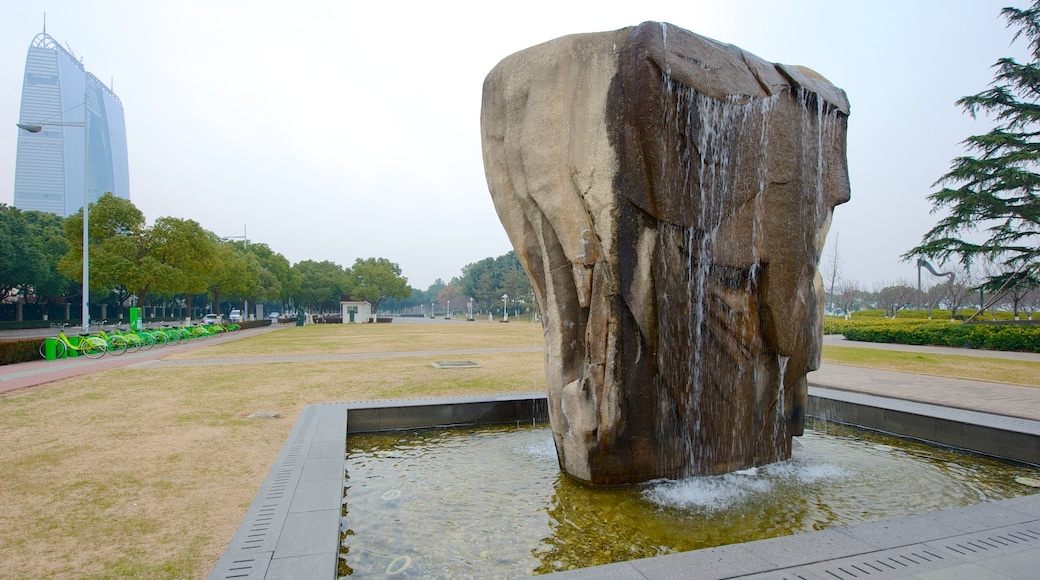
{"x":1008,"y":337}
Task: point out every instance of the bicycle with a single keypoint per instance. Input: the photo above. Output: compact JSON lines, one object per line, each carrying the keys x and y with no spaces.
{"x":88,"y":346}
{"x":140,"y":340}
{"x":230,"y":327}
{"x":159,"y":338}
{"x":115,"y":343}
{"x":201,"y":332}
{"x":173,"y":336}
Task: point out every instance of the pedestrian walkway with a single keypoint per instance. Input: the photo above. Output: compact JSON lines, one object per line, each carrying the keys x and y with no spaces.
{"x":996,"y":398}
{"x":38,"y":372}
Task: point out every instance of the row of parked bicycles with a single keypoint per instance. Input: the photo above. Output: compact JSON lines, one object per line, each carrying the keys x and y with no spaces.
{"x":116,"y":340}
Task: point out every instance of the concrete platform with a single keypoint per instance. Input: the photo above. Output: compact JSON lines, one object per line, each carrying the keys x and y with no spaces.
{"x":292,"y":528}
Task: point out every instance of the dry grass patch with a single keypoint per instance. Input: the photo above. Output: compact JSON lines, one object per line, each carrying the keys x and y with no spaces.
{"x":993,"y":370}
{"x":147,"y":473}
{"x":369,"y":338}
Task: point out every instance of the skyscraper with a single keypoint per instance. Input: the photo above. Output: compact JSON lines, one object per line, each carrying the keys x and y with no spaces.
{"x":49,"y":168}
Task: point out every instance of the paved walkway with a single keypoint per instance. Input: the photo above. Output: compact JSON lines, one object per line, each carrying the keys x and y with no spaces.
{"x":38,"y":372}
{"x":996,"y":398}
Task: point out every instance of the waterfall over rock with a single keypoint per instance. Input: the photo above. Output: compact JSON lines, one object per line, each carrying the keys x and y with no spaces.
{"x":669,"y":197}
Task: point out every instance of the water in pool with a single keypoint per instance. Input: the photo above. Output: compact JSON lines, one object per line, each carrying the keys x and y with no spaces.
{"x":492,"y":502}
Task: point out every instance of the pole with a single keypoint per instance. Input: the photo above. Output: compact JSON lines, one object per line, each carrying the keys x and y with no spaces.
{"x":86,"y":219}
{"x":36,"y":128}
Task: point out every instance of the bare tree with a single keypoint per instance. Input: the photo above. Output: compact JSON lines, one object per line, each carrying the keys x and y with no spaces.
{"x":897,"y":296}
{"x":849,"y":296}
{"x":934,"y":296}
{"x":1008,"y":285}
{"x":833,"y":269}
{"x":959,"y":290}
{"x":1031,"y":302}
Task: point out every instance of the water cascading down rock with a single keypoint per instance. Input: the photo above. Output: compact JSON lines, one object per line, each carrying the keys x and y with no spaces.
{"x":669,"y":197}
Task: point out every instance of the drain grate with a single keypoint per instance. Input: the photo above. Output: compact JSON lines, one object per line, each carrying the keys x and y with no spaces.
{"x":454,"y":364}
{"x":932,"y":555}
{"x":251,"y":549}
{"x":994,"y":544}
{"x":885,"y":564}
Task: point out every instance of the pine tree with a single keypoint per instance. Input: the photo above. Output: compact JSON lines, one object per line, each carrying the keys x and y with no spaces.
{"x":996,"y":190}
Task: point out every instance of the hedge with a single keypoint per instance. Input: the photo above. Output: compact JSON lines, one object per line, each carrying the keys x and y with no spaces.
{"x":1007,"y":337}
{"x":19,"y":350}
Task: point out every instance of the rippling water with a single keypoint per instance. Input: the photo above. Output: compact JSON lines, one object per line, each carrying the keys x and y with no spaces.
{"x":491,"y":502}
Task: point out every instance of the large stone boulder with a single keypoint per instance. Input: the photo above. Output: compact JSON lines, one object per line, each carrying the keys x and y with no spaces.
{"x":669,"y":197}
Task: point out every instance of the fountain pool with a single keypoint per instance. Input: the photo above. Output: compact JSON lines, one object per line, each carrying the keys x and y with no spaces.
{"x":492,"y":502}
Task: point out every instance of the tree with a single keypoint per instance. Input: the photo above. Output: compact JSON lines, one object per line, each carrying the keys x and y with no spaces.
{"x":46,"y":231}
{"x":189,"y":250}
{"x":375,"y":279}
{"x":22,"y":263}
{"x":1031,"y":302}
{"x":1013,"y":286}
{"x":849,"y":296}
{"x":272,"y":271}
{"x":231,"y":273}
{"x":996,"y":190}
{"x":958,"y":292}
{"x":833,"y":268}
{"x":897,"y":297}
{"x":320,"y":284}
{"x":119,"y":256}
{"x":489,"y":278}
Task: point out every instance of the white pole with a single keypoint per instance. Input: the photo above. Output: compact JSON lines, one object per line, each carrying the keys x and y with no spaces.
{"x":86,"y":220}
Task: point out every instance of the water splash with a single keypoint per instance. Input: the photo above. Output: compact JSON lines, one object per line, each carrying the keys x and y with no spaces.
{"x":721,"y":492}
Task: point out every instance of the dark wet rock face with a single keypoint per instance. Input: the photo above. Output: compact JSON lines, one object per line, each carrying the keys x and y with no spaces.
{"x":669,"y":197}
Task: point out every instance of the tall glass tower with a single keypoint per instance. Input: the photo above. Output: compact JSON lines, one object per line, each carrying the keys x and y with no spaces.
{"x":49,"y":169}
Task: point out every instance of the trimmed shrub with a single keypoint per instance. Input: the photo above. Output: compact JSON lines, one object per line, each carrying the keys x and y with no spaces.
{"x":1009,"y":337}
{"x":19,"y":350}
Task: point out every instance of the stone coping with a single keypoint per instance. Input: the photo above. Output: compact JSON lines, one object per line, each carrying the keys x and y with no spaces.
{"x":291,"y":530}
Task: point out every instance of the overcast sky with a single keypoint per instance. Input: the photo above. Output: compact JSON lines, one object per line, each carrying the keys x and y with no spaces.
{"x":333,"y":130}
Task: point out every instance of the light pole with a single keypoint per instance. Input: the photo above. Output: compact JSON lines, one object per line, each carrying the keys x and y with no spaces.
{"x":36,"y":128}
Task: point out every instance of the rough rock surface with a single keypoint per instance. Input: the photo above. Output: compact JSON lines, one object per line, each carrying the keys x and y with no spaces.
{"x":669,"y":197}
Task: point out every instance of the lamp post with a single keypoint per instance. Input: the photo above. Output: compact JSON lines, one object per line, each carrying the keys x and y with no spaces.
{"x":36,"y":128}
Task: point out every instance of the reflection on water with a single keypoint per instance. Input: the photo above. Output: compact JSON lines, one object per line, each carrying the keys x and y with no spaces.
{"x":491,"y":502}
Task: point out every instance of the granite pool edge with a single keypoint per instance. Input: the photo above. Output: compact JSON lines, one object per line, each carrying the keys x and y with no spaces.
{"x":291,"y":530}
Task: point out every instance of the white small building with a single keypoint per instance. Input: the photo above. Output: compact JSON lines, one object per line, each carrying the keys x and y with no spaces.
{"x":355,"y":310}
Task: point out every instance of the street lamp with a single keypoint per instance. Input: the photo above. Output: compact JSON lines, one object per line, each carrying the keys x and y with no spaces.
{"x":36,"y":128}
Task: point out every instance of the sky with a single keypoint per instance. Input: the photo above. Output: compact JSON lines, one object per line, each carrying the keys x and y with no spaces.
{"x":337,"y":130}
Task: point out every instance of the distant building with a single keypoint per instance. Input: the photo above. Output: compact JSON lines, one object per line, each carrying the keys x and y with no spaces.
{"x":49,"y":169}
{"x":354,"y":310}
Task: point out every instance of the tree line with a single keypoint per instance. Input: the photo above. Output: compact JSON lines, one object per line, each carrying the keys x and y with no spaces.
{"x":485,"y":282}
{"x":177,"y":261}
{"x":172,"y":261}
